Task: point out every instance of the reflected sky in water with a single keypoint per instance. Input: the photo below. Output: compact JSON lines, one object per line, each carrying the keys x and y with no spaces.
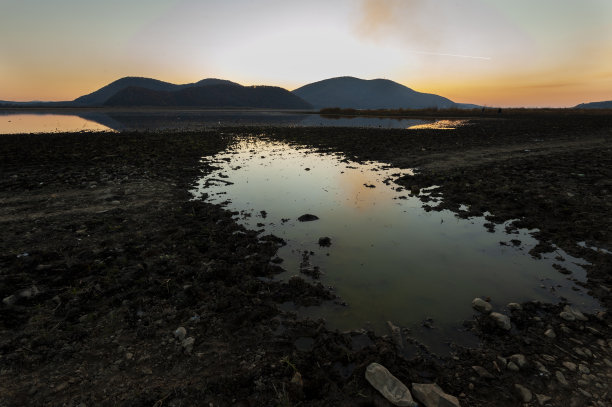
{"x":389,"y":259}
{"x":196,"y":119}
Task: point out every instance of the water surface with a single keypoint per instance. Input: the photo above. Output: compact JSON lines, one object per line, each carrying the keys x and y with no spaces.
{"x":181,"y":120}
{"x":389,"y":259}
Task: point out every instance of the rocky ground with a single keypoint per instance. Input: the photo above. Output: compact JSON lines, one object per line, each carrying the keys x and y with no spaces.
{"x":118,"y":290}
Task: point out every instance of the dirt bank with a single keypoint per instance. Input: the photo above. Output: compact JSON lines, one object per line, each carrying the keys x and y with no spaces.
{"x":104,"y":259}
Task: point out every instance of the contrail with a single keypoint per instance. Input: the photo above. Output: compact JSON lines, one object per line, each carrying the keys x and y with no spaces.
{"x":450,"y":55}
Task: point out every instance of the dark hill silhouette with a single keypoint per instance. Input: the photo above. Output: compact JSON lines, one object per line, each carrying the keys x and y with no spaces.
{"x":595,"y":105}
{"x":100,"y":96}
{"x":349,"y":92}
{"x":213,"y":95}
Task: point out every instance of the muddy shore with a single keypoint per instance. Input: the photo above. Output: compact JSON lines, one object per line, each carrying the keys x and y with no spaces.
{"x":104,"y":258}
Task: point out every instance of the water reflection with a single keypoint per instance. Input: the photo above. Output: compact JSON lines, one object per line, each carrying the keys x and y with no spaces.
{"x":164,"y":120}
{"x":389,"y":259}
{"x":47,"y":123}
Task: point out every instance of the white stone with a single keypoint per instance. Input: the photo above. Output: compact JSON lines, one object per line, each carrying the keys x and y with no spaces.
{"x":388,"y":385}
{"x":431,"y":395}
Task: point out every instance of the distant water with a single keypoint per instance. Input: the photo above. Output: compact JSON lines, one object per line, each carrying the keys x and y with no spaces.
{"x":160,"y":120}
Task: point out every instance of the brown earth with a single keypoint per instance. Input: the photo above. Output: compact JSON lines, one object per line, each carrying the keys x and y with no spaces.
{"x":103,"y":256}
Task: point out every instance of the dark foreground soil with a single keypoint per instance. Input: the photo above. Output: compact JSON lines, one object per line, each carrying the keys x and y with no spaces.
{"x":119,"y":290}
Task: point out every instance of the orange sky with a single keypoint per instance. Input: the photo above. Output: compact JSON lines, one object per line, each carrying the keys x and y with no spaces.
{"x":490,"y":52}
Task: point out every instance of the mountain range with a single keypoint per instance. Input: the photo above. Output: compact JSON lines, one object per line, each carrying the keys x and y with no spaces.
{"x":342,"y":92}
{"x":595,"y":105}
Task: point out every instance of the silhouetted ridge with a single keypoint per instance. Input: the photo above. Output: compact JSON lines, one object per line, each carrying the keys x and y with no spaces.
{"x":100,"y":96}
{"x":607,"y":104}
{"x":219,"y":95}
{"x":349,"y":92}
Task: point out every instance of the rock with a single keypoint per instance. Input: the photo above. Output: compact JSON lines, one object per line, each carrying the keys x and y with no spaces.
{"x":388,"y":385}
{"x":569,"y":366}
{"x":396,"y":334}
{"x":501,"y":320}
{"x":542,"y":399}
{"x":482,"y":372}
{"x":550,"y":333}
{"x":583,"y":369}
{"x":325,"y":241}
{"x":513,"y":306}
{"x":481,"y":305}
{"x":307,"y":217}
{"x":10,"y":300}
{"x":519,"y":359}
{"x":561,"y":378}
{"x":29,"y":292}
{"x":188,"y":344}
{"x":512,"y":366}
{"x":608,"y":362}
{"x":541,"y":368}
{"x":572,"y":314}
{"x":524,"y":393}
{"x":180,"y":333}
{"x":431,"y":395}
{"x":502,"y":361}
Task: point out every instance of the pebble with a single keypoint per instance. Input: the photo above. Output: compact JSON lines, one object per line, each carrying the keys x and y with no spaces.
{"x":561,"y":378}
{"x":524,"y":393}
{"x":583,"y":369}
{"x":180,"y":333}
{"x":550,"y":333}
{"x":549,"y":358}
{"x":513,"y":306}
{"x":10,"y":300}
{"x":512,"y":366}
{"x":188,"y":344}
{"x":481,"y":305}
{"x":543,"y":399}
{"x":519,"y":359}
{"x":482,"y":372}
{"x":570,"y":366}
{"x":501,"y":320}
{"x":541,"y":367}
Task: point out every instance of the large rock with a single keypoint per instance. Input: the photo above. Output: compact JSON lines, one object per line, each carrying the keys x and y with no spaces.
{"x":501,"y":320}
{"x":431,"y":395}
{"x":388,"y":385}
{"x":481,"y":305}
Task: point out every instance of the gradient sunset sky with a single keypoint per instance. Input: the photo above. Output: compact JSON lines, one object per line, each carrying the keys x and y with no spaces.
{"x":491,"y":52}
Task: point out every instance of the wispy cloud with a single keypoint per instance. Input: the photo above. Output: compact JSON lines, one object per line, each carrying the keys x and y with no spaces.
{"x":443,"y":54}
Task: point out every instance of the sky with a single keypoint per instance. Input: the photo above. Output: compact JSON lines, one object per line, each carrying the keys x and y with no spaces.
{"x":532,"y":53}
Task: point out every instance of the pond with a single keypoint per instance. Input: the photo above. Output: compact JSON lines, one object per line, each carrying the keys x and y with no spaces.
{"x":12,"y":122}
{"x":389,"y":259}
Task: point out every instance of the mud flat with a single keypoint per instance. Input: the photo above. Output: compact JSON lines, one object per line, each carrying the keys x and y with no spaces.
{"x":117,"y":289}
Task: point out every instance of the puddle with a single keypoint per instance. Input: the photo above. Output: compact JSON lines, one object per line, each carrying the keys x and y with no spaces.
{"x":388,"y":259}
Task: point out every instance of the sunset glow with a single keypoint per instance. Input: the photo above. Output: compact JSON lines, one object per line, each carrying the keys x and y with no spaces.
{"x":491,"y":52}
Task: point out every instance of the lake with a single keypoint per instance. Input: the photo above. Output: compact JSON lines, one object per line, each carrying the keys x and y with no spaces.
{"x":87,"y":120}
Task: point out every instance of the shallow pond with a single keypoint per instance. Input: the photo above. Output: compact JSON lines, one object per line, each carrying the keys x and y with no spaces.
{"x":389,"y":259}
{"x":194,"y":119}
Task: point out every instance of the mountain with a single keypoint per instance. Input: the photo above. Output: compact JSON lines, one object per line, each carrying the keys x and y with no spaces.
{"x":100,"y":96}
{"x":349,"y":92}
{"x":595,"y":105}
{"x":211,"y":95}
